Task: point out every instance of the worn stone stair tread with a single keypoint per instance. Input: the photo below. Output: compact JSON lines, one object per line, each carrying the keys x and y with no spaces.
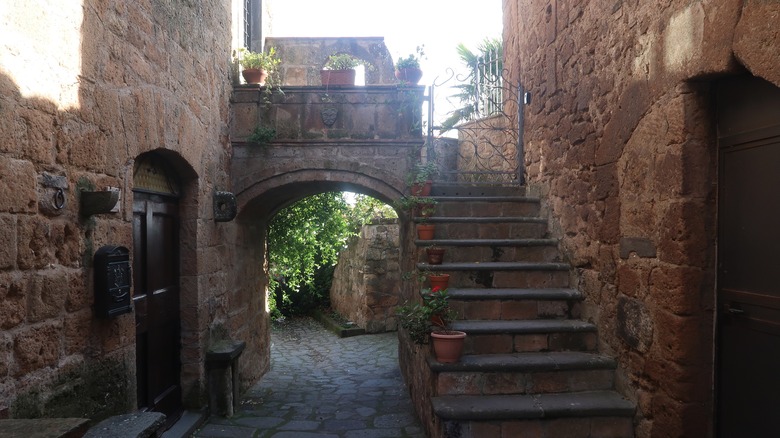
{"x":466,"y":294}
{"x":525,"y":326}
{"x":526,"y":362}
{"x":447,"y":188}
{"x":483,"y":219}
{"x":487,"y":242}
{"x":535,"y":406}
{"x":496,"y":198}
{"x":495,"y":266}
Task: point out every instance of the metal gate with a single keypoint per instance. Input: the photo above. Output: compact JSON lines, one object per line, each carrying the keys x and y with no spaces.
{"x":489,"y":148}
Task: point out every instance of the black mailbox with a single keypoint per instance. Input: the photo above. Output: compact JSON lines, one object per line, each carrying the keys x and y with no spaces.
{"x":112,"y":281}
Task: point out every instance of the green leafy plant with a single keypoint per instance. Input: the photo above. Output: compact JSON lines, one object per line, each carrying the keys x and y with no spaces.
{"x":267,"y":61}
{"x":433,"y":314}
{"x":467,"y":91}
{"x":414,"y":204}
{"x":341,"y":61}
{"x":261,"y":135}
{"x":437,"y":301}
{"x":304,"y":241}
{"x":413,"y":60}
{"x":422,"y":172}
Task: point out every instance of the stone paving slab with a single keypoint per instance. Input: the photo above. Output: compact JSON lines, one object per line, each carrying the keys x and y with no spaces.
{"x":323,"y":386}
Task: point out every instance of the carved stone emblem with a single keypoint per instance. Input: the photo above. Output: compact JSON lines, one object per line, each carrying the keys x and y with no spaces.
{"x":329,"y":114}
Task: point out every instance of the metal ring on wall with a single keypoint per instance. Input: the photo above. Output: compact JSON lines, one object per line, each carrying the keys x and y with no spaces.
{"x":59,"y":199}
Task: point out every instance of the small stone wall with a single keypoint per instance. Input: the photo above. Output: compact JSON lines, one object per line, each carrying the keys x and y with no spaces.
{"x":303,"y":58}
{"x":367,"y":279}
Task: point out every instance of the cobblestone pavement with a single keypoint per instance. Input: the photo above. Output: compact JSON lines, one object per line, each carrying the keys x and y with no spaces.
{"x":324,"y":386}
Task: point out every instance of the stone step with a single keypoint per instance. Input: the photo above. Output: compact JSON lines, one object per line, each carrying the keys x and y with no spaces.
{"x":494,"y":250}
{"x":442,"y":188}
{"x":572,"y":415}
{"x":464,"y":294}
{"x":486,"y":206}
{"x":488,"y":227}
{"x":503,"y":274}
{"x":519,"y":336}
{"x":516,"y":304}
{"x":524,"y":373}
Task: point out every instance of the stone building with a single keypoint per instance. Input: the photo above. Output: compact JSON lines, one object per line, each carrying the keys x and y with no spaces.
{"x":636,"y":116}
{"x":648,"y":134}
{"x":129,"y":147}
{"x":127,"y":99}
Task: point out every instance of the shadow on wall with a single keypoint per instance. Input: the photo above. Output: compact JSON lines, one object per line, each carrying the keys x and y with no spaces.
{"x":60,"y":361}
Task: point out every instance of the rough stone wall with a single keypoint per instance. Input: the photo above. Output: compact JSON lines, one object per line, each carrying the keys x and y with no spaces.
{"x":620,"y":141}
{"x":367,"y":278}
{"x":303,"y":58}
{"x":85,"y":88}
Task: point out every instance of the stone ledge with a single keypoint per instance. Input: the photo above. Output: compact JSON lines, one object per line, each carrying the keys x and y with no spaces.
{"x":135,"y":425}
{"x":495,"y":266}
{"x":552,"y":294}
{"x":529,"y":326}
{"x":43,"y":427}
{"x":335,"y":327}
{"x":526,"y":362}
{"x":518,"y":407}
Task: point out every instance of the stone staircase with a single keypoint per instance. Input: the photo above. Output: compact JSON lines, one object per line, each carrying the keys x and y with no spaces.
{"x":530,"y":366}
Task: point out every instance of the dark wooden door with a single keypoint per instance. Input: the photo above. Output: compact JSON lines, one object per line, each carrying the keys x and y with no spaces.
{"x":156,"y":301}
{"x":748,"y":387}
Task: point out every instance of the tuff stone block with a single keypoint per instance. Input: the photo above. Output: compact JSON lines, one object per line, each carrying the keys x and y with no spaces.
{"x":37,"y":347}
{"x":18,"y":186}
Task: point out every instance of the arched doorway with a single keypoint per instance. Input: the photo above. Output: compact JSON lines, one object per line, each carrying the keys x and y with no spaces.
{"x":748,"y":356}
{"x":156,"y":191}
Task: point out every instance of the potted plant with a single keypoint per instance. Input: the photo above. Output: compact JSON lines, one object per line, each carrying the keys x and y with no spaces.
{"x":425,"y":231}
{"x":435,"y":255}
{"x":447,"y":343}
{"x":422,"y":208}
{"x":256,"y":66}
{"x":339,"y":69}
{"x":432,"y":319}
{"x":442,"y":281}
{"x":407,"y":70}
{"x":419,"y":206}
{"x":420,"y":178}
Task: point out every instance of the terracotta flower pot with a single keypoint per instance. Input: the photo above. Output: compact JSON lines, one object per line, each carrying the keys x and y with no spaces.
{"x":337,"y":77}
{"x":425,"y":231}
{"x":254,"y":75}
{"x":422,"y":189}
{"x":435,"y":255}
{"x":448,"y":345}
{"x":409,"y":76}
{"x":440,"y":280}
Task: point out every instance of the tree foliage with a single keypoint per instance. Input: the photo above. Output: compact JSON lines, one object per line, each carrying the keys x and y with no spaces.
{"x":467,"y":91}
{"x":304,"y":241}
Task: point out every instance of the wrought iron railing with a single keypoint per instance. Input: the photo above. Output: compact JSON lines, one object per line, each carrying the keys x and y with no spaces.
{"x":489,"y":147}
{"x":489,"y":85}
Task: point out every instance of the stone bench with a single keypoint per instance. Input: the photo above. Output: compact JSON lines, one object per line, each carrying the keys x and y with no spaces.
{"x":135,"y":425}
{"x":224,"y":385}
{"x":43,"y":427}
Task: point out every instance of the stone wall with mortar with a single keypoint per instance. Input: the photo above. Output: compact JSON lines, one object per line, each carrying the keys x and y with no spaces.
{"x":303,"y":58}
{"x":367,"y":278}
{"x":85,"y":88}
{"x":620,"y":141}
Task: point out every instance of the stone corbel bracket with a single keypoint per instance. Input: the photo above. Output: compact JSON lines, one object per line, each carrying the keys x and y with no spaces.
{"x":225,"y":206}
{"x":98,"y":202}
